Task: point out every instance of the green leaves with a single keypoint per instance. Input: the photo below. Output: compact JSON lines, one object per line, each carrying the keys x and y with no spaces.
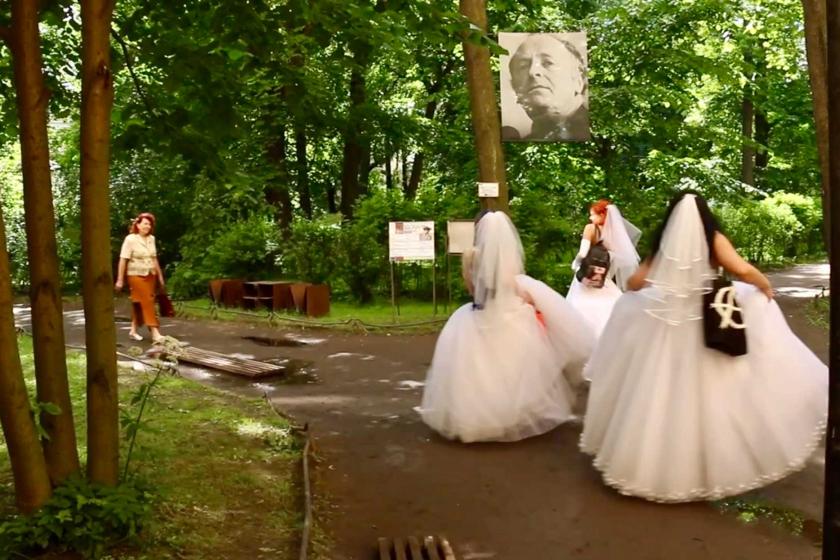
{"x":81,"y":517}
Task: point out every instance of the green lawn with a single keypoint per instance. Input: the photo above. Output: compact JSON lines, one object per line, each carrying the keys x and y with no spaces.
{"x":226,"y":470}
{"x":817,"y":311}
{"x":380,"y":315}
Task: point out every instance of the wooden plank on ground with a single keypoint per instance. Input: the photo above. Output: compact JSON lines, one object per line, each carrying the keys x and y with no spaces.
{"x":223,"y":362}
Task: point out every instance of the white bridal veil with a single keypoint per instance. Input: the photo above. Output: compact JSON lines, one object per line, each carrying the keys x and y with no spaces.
{"x":620,"y":238}
{"x":498,"y":258}
{"x":681,"y":270}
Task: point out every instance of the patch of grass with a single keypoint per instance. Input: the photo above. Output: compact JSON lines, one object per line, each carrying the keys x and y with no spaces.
{"x":818,"y":310}
{"x":752,"y":511}
{"x":413,"y":316}
{"x":226,"y":469}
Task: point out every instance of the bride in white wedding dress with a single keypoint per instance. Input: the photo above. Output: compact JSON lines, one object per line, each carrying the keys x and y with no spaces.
{"x":671,"y":420}
{"x":499,"y":363}
{"x":608,"y":227}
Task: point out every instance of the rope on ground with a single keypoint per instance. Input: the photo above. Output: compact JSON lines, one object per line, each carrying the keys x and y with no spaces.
{"x":154,"y":365}
{"x":274,"y":318}
{"x":307,"y":486}
{"x":307,"y":495}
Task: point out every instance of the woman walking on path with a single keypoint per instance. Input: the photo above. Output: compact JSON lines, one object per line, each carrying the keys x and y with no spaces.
{"x":139,"y":262}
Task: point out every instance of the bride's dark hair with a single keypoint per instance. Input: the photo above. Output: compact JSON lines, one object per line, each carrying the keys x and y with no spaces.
{"x":710,"y":223}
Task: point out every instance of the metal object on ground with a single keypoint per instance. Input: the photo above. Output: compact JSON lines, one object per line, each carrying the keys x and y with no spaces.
{"x":416,"y":548}
{"x":239,"y":366}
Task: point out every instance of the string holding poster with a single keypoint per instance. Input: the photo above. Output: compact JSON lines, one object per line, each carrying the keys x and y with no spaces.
{"x":411,"y":241}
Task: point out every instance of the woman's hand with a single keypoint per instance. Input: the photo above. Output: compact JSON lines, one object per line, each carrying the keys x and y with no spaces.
{"x":118,"y":285}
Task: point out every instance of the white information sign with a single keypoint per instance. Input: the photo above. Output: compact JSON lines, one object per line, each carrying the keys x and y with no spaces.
{"x":488,"y":190}
{"x":411,"y":241}
{"x":460,"y":235}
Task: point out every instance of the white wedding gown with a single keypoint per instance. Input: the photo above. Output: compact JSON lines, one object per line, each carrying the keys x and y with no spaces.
{"x":498,"y":373}
{"x":594,"y":304}
{"x":671,"y":420}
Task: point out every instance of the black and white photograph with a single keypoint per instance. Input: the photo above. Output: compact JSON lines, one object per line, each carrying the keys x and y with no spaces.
{"x":544,"y":87}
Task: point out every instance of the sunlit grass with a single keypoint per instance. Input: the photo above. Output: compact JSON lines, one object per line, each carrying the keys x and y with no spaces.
{"x":408,"y":316}
{"x":226,"y":469}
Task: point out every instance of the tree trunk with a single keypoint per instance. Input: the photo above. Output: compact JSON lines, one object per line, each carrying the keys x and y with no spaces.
{"x":365,"y":168}
{"x":485,"y":116}
{"x":45,"y":289}
{"x":762,"y":139}
{"x":416,"y":173}
{"x":404,"y":168}
{"x":815,"y":48}
{"x":332,"y":206}
{"x":389,"y":172}
{"x":831,"y":509}
{"x":417,"y":163}
{"x":302,"y":165}
{"x":353,"y":138}
{"x":97,"y":280}
{"x":29,"y":468}
{"x":277,"y":190}
{"x":747,"y":146}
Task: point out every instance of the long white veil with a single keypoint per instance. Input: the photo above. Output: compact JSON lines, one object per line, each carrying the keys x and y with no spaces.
{"x":498,"y":258}
{"x":620,"y":238}
{"x":680,"y":270}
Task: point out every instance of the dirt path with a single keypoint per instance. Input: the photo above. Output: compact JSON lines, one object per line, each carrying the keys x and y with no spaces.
{"x":388,"y":475}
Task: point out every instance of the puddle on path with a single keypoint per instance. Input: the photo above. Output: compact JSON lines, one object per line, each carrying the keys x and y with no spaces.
{"x":282,"y":341}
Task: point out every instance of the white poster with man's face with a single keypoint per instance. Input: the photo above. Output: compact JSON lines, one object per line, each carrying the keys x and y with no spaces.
{"x":545,"y":93}
{"x":411,"y":241}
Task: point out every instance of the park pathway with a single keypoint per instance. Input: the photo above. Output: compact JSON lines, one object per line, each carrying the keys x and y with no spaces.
{"x":383,"y":473}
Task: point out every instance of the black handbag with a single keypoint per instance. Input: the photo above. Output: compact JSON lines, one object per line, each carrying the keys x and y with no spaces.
{"x":723,"y":322}
{"x":594,"y":267}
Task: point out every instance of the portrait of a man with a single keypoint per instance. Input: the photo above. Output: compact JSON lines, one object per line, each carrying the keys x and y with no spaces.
{"x":545,"y":96}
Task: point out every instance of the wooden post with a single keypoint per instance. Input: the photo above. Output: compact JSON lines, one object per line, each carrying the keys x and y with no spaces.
{"x":434,"y":286}
{"x":483,"y":106}
{"x":393,"y":293}
{"x":831,"y":510}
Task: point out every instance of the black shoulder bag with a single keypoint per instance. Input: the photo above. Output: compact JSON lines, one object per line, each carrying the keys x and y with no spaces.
{"x":594,"y":267}
{"x":723,"y":322}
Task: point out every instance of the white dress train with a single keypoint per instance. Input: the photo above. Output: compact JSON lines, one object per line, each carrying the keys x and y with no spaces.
{"x":500,"y":373}
{"x":671,"y":420}
{"x":594,"y":304}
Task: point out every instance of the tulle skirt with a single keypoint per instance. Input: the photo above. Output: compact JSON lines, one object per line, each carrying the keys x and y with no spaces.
{"x":671,"y":420}
{"x":500,"y":373}
{"x":595,"y":304}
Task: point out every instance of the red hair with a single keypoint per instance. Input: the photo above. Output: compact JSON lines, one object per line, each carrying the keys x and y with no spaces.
{"x":140,"y":217}
{"x":600,"y":207}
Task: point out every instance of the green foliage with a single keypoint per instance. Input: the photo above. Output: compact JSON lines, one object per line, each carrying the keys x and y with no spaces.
{"x":242,"y":249}
{"x":550,"y":239}
{"x":228,"y":104}
{"x":81,"y":517}
{"x":39,"y":408}
{"x":775,"y":229}
{"x":312,"y":252}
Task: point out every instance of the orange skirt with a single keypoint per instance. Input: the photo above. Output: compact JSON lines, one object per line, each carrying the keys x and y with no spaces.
{"x":142,"y":289}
